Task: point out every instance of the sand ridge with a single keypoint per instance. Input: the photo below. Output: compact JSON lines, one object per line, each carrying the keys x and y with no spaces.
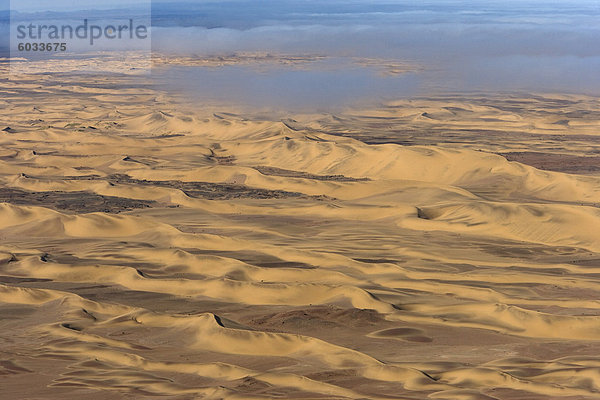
{"x":229,"y":256}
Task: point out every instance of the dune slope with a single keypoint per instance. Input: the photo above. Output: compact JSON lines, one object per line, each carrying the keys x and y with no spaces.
{"x":150,"y":250}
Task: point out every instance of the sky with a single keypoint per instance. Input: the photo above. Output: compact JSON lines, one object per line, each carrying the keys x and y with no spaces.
{"x":44,"y":5}
{"x":64,"y":5}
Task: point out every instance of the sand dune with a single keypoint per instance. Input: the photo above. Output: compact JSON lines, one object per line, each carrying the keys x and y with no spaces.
{"x":150,"y":249}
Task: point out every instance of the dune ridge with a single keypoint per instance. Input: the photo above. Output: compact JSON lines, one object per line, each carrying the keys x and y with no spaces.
{"x":151,"y":249}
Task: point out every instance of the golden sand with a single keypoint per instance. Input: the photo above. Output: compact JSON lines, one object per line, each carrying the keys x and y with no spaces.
{"x":148,"y":248}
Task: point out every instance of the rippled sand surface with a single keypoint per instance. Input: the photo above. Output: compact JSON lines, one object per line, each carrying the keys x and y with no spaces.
{"x":150,"y":248}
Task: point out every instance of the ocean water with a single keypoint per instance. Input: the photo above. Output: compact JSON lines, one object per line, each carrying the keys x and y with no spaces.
{"x":455,"y":46}
{"x":460,"y":46}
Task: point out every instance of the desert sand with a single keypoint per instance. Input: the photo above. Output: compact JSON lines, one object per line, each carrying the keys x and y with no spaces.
{"x":443,"y":248}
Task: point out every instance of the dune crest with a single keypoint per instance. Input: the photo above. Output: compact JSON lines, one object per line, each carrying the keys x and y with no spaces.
{"x":150,"y":249}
